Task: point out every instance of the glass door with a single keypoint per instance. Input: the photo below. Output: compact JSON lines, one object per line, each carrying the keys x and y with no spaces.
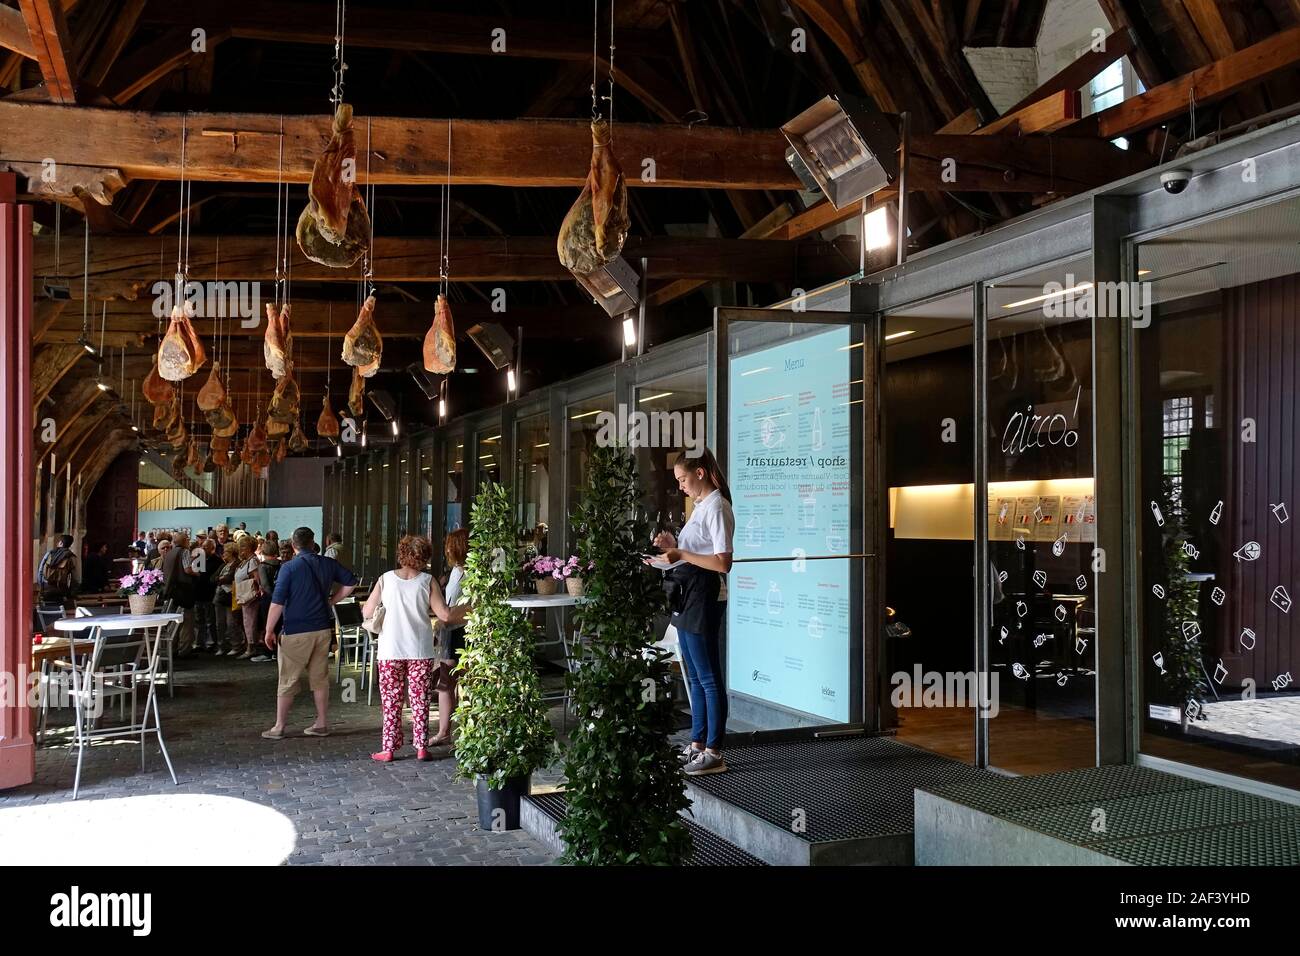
{"x":795,"y":393}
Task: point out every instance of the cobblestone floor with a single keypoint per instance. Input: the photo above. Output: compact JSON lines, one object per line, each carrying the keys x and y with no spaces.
{"x":346,"y":808}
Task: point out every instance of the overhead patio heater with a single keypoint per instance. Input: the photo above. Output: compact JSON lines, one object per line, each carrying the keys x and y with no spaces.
{"x":842,"y":147}
{"x":615,"y":286}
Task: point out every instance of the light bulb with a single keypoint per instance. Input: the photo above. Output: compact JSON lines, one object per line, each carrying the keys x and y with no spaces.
{"x":629,"y":332}
{"x":394,"y":426}
{"x":442,"y":408}
{"x":510,"y":380}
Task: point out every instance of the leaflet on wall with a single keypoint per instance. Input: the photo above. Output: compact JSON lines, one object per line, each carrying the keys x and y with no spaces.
{"x":788,"y":619}
{"x":1079,"y":518}
{"x":1048,"y":515}
{"x":1002,"y":517}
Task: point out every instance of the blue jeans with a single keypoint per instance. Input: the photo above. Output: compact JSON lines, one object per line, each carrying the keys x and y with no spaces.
{"x":703,"y":662}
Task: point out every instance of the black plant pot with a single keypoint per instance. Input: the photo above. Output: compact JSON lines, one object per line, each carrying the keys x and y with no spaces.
{"x":499,"y":809}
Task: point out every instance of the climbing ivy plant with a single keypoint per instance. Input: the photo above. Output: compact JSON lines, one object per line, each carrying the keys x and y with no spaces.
{"x":625,"y":786}
{"x":504,"y":728}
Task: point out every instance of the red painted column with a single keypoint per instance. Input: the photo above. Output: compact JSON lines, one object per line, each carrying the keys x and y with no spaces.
{"x":17,"y":749}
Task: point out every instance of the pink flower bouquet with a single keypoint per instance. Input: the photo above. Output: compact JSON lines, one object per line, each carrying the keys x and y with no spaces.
{"x":143,"y":584}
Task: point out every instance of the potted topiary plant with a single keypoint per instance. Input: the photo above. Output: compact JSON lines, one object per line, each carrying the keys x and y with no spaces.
{"x":625,"y":787}
{"x":505,"y":733}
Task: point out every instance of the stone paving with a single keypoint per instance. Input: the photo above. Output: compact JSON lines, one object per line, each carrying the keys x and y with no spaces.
{"x":347,"y":809}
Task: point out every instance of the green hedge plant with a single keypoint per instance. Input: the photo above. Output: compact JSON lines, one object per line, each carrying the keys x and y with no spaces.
{"x":624,"y":783}
{"x":504,"y":728}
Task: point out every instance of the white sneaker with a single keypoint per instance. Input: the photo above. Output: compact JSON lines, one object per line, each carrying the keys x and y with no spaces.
{"x":705,"y":762}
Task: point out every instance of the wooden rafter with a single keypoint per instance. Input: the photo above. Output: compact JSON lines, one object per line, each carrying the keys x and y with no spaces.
{"x":14,"y":34}
{"x":52,"y":44}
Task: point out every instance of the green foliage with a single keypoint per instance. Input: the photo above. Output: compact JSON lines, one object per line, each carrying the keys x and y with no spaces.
{"x":625,"y":786}
{"x":504,"y":728}
{"x":1184,"y":675}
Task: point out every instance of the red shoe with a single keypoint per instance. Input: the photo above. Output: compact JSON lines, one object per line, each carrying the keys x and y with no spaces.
{"x":422,"y":754}
{"x":384,"y":756}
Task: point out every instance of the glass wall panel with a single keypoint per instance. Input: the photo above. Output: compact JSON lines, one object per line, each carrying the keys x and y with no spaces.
{"x":407,"y":472}
{"x":533,"y":470}
{"x":425,"y":485}
{"x":582,"y":436}
{"x":928,"y":389}
{"x":675,"y":409}
{"x":1218,"y":372}
{"x":453,"y":516}
{"x":1041,"y":519}
{"x":488,"y":449}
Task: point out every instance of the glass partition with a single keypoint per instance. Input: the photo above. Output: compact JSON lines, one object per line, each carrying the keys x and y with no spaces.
{"x":1041,"y":519}
{"x":406,"y":473}
{"x":425,"y":485}
{"x":488,"y":448}
{"x":583,"y":428}
{"x":929,"y":447}
{"x":533,"y":470}
{"x":453,"y":516}
{"x":675,"y":410}
{"x":1218,"y":367}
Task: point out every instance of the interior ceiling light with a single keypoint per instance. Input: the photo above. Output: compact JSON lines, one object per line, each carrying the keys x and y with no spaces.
{"x":899,"y":335}
{"x":651,"y":398}
{"x":585,"y":415}
{"x":629,"y":332}
{"x":1082,"y":286}
{"x":848,"y":150}
{"x":875,"y":229}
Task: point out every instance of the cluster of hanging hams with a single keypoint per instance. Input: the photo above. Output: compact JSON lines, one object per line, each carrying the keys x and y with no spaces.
{"x":334,"y":228}
{"x":282,"y":416}
{"x":593,"y":232}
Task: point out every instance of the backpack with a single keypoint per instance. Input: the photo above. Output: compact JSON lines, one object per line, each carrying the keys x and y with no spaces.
{"x":58,"y":576}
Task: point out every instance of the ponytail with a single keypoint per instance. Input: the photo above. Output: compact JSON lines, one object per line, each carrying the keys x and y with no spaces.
{"x":711,"y":468}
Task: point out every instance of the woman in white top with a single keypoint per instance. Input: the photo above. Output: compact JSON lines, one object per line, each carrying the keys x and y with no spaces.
{"x":699,"y":556}
{"x":406,"y":651}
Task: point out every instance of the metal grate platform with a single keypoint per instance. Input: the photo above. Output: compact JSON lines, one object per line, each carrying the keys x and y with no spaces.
{"x":708,"y":849}
{"x":848,"y":788}
{"x":1150,"y":818}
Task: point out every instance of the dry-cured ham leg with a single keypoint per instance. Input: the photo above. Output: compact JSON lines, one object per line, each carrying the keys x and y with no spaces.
{"x":213,"y":393}
{"x":275,"y":428}
{"x":277,"y":344}
{"x":297,"y":440}
{"x":440,"y":340}
{"x":327,"y":425}
{"x":283,"y":406}
{"x":363,"y":345}
{"x":156,"y":389}
{"x":181,"y":353}
{"x":257,"y":438}
{"x":594,"y":229}
{"x":334,"y":228}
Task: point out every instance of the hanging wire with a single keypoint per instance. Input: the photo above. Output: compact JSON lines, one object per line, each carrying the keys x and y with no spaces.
{"x":611,"y":65}
{"x":85,"y":286}
{"x":280,"y":188}
{"x":444,"y":226}
{"x":340,"y":20}
{"x":182,"y":237}
{"x":595,"y":32}
{"x":58,"y":236}
{"x":369,"y":264}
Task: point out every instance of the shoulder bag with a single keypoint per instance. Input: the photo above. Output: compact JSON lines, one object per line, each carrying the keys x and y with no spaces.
{"x":375,"y":624}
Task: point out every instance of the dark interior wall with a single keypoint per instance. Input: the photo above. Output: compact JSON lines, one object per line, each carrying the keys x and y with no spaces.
{"x":297,"y":482}
{"x":111,"y":509}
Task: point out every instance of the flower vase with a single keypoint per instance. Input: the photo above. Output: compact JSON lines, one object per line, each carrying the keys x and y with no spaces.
{"x":547,"y":585}
{"x":574,"y":585}
{"x":142,"y":603}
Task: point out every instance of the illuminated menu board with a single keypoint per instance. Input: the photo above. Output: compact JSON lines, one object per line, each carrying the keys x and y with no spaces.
{"x":790,"y":431}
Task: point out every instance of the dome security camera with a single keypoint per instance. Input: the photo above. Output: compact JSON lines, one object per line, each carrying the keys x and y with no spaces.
{"x":1175,"y":181}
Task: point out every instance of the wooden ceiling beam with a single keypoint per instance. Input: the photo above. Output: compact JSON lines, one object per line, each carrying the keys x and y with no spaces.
{"x":107,"y":51}
{"x":1045,"y":115}
{"x":1082,"y":70}
{"x":49,"y":364}
{"x":134,"y":260}
{"x":14,"y":34}
{"x":52,"y":43}
{"x":137,"y":72}
{"x":406,"y":150}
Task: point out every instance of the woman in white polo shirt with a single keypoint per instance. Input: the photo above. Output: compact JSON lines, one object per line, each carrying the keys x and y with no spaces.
{"x":698,"y":558}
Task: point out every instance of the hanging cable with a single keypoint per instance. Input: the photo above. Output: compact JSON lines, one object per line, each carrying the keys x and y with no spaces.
{"x":611,"y":66}
{"x":369,"y":264}
{"x":340,"y":21}
{"x":85,"y":289}
{"x":595,"y":33}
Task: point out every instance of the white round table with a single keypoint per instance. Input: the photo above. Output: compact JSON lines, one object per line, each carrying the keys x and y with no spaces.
{"x":564,"y":599}
{"x":116,"y":622}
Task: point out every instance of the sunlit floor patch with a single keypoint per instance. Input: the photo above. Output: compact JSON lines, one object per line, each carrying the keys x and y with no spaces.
{"x":183,"y":829}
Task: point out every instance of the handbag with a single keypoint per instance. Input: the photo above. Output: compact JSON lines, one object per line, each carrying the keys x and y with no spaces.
{"x":246,"y":590}
{"x":375,"y":624}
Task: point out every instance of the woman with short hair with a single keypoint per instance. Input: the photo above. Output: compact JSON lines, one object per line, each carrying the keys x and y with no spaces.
{"x":451,"y":640}
{"x":406,"y":649}
{"x":230,"y":634}
{"x":247,"y":570}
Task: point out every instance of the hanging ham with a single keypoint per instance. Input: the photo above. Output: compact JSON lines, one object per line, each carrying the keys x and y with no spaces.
{"x":178,"y":465}
{"x":327,"y":425}
{"x":177,"y":434}
{"x":163,"y":415}
{"x":363,"y":345}
{"x":181,"y":353}
{"x":334,"y":228}
{"x":275,"y":429}
{"x":213,"y":393}
{"x":283,"y":406}
{"x":357,"y":394}
{"x":277,"y":345}
{"x":440,"y":340}
{"x":257,"y":438}
{"x":297,"y":440}
{"x":593,"y":231}
{"x":156,"y":389}
{"x":220,"y":444}
{"x":281,"y":449}
{"x":228,"y":426}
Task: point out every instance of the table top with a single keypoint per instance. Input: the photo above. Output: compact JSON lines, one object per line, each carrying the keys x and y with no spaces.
{"x":115,"y":622}
{"x":563,"y":599}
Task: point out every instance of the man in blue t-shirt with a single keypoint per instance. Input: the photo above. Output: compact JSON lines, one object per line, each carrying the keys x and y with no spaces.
{"x":302,"y":599}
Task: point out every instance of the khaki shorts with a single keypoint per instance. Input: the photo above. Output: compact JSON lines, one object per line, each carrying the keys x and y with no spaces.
{"x":306,"y":653}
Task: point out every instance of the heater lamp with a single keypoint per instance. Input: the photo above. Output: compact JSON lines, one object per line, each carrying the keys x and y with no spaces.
{"x":849,"y":150}
{"x":614,"y":286}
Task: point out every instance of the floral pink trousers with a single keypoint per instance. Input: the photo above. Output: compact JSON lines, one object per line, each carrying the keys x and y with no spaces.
{"x":412,"y":676}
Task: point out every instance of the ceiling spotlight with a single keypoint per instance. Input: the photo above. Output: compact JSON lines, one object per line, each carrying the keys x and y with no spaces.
{"x":88,"y":345}
{"x":339,"y":449}
{"x":849,"y":150}
{"x":629,"y":332}
{"x":511,"y":385}
{"x":614,"y":286}
{"x":394,"y":427}
{"x":442,"y":408}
